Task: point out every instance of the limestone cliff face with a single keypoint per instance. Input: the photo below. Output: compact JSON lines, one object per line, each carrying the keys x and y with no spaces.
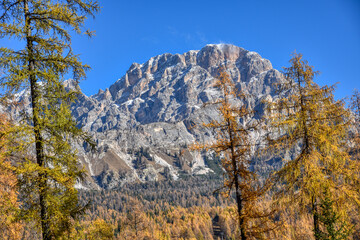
{"x":144,"y":122}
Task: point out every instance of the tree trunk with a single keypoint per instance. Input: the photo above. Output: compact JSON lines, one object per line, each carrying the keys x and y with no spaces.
{"x":237,"y":184}
{"x":42,"y":181}
{"x":239,"y":206}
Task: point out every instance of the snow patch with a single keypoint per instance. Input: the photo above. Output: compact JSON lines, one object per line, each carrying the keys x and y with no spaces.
{"x":193,"y":51}
{"x":222,"y":46}
{"x":158,"y":129}
{"x":21,"y":95}
{"x":132,"y":101}
{"x":129,"y":102}
{"x":252,"y":54}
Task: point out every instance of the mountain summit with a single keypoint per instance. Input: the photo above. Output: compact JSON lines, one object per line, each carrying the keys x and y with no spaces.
{"x":143,"y":123}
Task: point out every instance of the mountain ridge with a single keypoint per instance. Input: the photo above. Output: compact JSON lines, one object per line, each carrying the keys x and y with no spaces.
{"x":143,"y":122}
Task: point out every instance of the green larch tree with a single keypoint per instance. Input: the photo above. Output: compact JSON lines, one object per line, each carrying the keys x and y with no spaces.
{"x":306,"y":119}
{"x":48,"y":174}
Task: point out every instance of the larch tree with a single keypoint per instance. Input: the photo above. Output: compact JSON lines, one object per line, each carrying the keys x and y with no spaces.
{"x":48,"y":174}
{"x":10,"y":228}
{"x":234,"y":145}
{"x":135,"y":219}
{"x":307,"y":120}
{"x":100,"y":230}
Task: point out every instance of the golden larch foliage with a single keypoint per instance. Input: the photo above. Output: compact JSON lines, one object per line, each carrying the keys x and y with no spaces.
{"x":233,"y":144}
{"x":307,"y":120}
{"x":10,"y":227}
{"x":48,"y":175}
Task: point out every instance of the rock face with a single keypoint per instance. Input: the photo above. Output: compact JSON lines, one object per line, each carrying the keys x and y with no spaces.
{"x":143,"y":123}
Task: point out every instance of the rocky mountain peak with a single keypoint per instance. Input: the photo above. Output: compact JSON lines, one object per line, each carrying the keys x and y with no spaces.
{"x":213,"y":55}
{"x":71,"y":84}
{"x":144,"y":122}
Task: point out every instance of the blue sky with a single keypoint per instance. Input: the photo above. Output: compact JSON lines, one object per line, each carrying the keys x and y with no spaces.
{"x":127,"y":31}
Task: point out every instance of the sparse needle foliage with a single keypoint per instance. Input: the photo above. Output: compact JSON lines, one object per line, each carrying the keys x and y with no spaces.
{"x":233,"y":144}
{"x":308,"y":121}
{"x":49,"y":168}
{"x":10,"y":228}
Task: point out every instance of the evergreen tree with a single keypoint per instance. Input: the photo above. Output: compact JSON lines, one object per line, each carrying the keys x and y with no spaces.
{"x":333,"y":228}
{"x":48,"y":173}
{"x":308,"y":121}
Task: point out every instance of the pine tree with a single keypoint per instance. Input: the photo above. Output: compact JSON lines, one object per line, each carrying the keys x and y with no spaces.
{"x":308,"y":118}
{"x":234,"y":147}
{"x":333,"y":228}
{"x":49,"y":172}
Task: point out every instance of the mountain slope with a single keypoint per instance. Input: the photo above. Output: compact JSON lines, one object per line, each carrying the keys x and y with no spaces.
{"x":143,"y":123}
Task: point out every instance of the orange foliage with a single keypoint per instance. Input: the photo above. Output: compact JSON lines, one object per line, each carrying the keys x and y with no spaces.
{"x":9,"y":227}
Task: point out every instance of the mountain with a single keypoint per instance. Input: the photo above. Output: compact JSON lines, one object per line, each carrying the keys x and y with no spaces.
{"x":143,"y":123}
